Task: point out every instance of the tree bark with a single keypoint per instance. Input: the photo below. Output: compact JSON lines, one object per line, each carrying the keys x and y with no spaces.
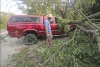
{"x":84,"y":19}
{"x":88,"y":18}
{"x":98,"y":42}
{"x":87,"y":31}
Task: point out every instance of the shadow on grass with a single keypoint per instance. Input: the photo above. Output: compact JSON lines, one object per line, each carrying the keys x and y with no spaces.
{"x":41,"y":38}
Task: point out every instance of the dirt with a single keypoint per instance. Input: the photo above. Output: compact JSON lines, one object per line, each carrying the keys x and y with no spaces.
{"x":8,"y":47}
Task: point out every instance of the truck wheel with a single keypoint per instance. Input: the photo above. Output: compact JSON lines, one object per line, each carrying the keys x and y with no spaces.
{"x":30,"y":39}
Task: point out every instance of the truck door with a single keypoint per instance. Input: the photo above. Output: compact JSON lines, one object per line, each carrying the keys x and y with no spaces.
{"x":54,"y":27}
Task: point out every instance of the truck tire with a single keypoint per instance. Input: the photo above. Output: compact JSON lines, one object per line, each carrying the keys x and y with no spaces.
{"x":30,"y":39}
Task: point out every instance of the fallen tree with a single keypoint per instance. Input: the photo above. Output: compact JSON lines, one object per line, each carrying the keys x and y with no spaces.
{"x":96,"y":32}
{"x":91,"y":17}
{"x":85,"y":24}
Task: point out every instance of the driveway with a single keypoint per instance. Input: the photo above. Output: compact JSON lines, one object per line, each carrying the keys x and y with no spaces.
{"x":8,"y":47}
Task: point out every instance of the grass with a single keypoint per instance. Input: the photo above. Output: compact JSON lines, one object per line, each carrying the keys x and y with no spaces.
{"x":2,"y":26}
{"x":30,"y":56}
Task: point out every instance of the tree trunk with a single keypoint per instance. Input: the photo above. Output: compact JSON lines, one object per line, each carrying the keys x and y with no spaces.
{"x":84,"y":19}
{"x":98,"y":42}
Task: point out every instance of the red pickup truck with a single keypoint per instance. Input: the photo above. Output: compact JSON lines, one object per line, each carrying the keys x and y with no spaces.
{"x":31,"y":27}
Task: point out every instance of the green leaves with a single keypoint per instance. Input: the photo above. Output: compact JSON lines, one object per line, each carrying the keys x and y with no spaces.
{"x":84,"y":6}
{"x":81,"y":53}
{"x":39,"y":7}
{"x":4,"y":18}
{"x":63,"y":25}
{"x":66,"y":28}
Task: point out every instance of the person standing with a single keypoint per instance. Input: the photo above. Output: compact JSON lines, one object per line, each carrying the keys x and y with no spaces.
{"x":48,"y":31}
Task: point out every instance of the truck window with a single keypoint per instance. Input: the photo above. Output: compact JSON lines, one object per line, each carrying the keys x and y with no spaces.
{"x":25,"y":19}
{"x":35,"y":19}
{"x":56,"y":19}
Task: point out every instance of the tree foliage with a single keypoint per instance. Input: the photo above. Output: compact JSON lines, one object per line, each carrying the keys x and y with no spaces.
{"x":79,"y":52}
{"x":38,"y":7}
{"x":4,"y":17}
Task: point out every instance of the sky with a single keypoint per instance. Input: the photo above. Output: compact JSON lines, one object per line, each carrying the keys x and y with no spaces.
{"x":6,"y":4}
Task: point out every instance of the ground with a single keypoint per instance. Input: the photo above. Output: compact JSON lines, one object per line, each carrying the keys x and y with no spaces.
{"x":10,"y":46}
